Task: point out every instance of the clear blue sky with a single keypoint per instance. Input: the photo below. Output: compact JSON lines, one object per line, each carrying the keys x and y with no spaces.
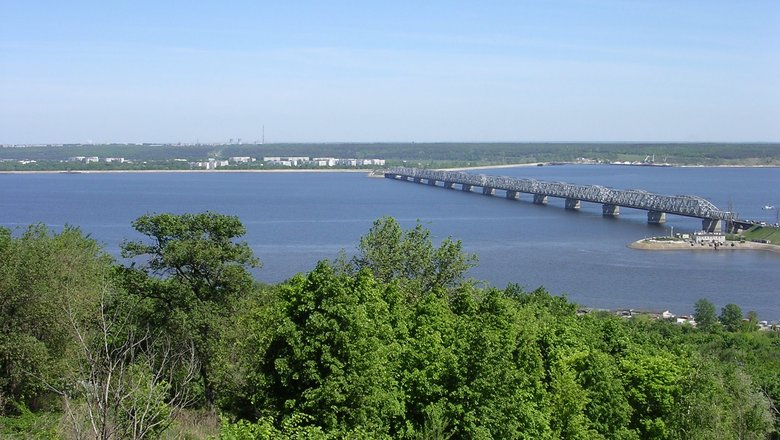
{"x":328,"y":71}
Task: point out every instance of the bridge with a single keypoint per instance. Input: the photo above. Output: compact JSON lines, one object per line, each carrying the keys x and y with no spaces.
{"x":656,"y":205}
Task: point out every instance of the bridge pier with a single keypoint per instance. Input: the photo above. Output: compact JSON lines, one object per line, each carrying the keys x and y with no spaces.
{"x":737,"y":227}
{"x":711,"y":225}
{"x":512,"y":195}
{"x":656,"y":217}
{"x":465,"y":187}
{"x":448,"y":185}
{"x":432,"y":182}
{"x":417,"y":180}
{"x":572,"y":204}
{"x":608,"y":210}
{"x":540,"y":199}
{"x":488,"y":191}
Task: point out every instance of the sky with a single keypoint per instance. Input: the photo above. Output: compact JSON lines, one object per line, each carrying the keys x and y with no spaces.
{"x":389,"y":71}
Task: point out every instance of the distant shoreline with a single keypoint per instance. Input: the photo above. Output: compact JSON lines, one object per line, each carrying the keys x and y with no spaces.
{"x":294,"y":170}
{"x":363,"y":170}
{"x":652,"y":245}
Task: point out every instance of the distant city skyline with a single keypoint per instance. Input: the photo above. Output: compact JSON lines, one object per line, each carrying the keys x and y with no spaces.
{"x":402,"y":71}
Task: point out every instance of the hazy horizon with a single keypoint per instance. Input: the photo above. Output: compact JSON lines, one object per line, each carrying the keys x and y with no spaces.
{"x":587,"y":71}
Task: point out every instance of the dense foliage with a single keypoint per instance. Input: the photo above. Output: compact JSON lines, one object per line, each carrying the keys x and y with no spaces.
{"x":394,"y":343}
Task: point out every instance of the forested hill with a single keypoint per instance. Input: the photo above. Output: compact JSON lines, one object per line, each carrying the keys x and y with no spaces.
{"x":423,"y":153}
{"x":394,"y":343}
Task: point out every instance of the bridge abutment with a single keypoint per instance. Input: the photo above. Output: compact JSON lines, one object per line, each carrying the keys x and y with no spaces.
{"x":656,"y":217}
{"x":540,"y":199}
{"x":711,"y":225}
{"x":572,"y":204}
{"x":608,"y":210}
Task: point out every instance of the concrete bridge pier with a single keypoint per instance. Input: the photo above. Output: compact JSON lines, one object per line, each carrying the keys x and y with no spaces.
{"x":448,"y":185}
{"x":608,"y":210}
{"x":417,"y":180}
{"x":656,"y":217}
{"x":466,"y":187}
{"x":540,"y":199}
{"x":432,"y":182}
{"x":572,"y":204}
{"x":488,"y":191}
{"x":512,"y":195}
{"x":736,"y":227}
{"x":711,"y":225}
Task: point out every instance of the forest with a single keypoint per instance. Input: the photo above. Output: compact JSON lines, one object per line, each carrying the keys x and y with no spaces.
{"x":390,"y":340}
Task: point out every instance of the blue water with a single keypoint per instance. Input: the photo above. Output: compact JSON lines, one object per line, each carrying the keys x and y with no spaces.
{"x":295,"y":219}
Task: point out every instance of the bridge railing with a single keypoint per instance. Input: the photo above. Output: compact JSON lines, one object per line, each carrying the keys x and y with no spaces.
{"x":686,"y":205}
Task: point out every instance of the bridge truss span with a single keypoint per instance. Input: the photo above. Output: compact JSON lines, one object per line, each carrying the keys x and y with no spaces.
{"x":657,"y":205}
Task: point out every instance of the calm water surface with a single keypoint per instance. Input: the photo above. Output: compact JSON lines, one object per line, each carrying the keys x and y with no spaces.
{"x":295,"y":219}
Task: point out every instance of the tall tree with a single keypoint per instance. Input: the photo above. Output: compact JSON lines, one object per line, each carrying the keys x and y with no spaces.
{"x":731,"y":317}
{"x":334,"y":354}
{"x":43,"y":274}
{"x":200,"y":271}
{"x":410,"y":257}
{"x":705,"y":314}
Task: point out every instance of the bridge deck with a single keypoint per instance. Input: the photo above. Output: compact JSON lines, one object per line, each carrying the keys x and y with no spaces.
{"x":685,"y":205}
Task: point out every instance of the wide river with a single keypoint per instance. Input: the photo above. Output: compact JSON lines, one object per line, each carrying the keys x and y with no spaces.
{"x":295,"y":219}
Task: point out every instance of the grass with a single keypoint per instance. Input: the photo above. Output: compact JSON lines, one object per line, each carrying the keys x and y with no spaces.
{"x":758,"y":232}
{"x":187,"y":425}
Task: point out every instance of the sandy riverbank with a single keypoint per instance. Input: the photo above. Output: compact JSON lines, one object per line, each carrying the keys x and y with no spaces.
{"x":663,"y":245}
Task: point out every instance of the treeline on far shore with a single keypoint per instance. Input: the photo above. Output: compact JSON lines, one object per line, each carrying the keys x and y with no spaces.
{"x":164,"y":156}
{"x":179,"y":341}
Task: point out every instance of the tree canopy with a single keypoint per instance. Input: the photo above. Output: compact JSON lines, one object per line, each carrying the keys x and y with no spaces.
{"x":396,"y":343}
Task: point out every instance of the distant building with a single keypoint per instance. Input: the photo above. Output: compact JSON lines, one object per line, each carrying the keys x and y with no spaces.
{"x":242,"y":159}
{"x":114,"y":159}
{"x":291,"y":161}
{"x":211,"y":164}
{"x":365,"y":162}
{"x":325,"y":161}
{"x":91,"y":159}
{"x":705,"y":237}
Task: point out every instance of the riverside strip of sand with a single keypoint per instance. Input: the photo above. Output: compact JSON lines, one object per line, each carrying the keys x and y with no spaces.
{"x":275,"y":170}
{"x":667,"y":245}
{"x":483,"y":167}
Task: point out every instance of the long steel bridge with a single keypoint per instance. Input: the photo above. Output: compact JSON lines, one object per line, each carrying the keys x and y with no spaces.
{"x":656,"y":205}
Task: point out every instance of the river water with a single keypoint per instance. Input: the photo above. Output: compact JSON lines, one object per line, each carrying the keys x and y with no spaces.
{"x":295,"y":219}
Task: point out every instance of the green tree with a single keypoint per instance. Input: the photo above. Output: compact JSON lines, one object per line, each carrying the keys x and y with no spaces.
{"x":731,"y":317}
{"x":44,"y":277}
{"x":705,"y":314}
{"x":334,"y":355}
{"x":393,"y":254}
{"x":202,"y":272}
